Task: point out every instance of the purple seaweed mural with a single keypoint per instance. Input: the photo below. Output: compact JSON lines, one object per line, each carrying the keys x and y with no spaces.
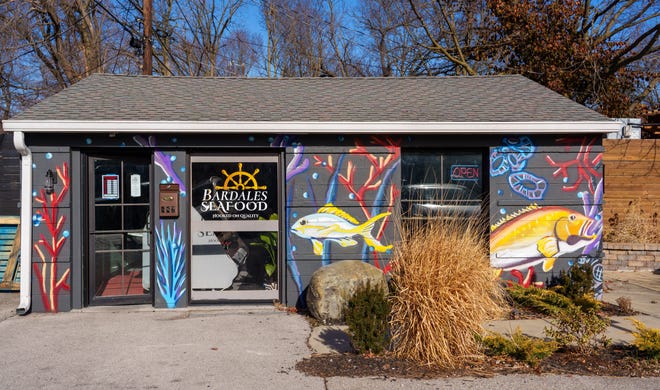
{"x":164,"y":161}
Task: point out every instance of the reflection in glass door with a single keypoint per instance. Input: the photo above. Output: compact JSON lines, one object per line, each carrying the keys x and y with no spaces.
{"x":120,"y":253}
{"x":234,"y":227}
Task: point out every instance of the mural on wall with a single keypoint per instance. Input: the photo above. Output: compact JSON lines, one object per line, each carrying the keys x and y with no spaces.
{"x":164,"y":162}
{"x":537,"y":235}
{"x":511,"y":159}
{"x":369,"y":190}
{"x":49,"y":248}
{"x":171,"y":270}
{"x":333,"y":224}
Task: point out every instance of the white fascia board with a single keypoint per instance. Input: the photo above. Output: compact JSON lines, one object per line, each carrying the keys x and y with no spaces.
{"x":312,"y":127}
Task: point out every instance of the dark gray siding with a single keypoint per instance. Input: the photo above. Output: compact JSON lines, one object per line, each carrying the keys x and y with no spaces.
{"x":10,"y":176}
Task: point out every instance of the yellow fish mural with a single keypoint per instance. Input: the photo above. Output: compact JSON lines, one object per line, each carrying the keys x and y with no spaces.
{"x":538,"y":235}
{"x":334,"y":224}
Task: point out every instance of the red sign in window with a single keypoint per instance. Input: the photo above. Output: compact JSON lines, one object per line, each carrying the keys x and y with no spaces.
{"x":110,"y":186}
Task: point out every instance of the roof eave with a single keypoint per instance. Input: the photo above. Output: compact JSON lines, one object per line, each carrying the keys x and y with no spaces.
{"x":267,"y":127}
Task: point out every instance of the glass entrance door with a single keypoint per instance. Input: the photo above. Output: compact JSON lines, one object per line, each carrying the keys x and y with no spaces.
{"x":119,"y":230}
{"x":234,"y":227}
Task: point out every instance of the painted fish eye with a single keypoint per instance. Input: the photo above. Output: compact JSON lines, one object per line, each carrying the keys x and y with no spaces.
{"x":572,"y":217}
{"x":303,"y":222}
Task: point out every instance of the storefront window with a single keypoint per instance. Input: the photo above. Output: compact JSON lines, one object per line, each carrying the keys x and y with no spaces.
{"x":441,"y":184}
{"x":234,"y":227}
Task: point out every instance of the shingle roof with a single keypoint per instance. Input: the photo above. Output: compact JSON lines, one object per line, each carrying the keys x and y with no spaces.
{"x":104,"y":97}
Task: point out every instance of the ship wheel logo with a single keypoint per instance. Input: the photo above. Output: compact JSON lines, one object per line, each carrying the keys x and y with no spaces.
{"x":240,"y":180}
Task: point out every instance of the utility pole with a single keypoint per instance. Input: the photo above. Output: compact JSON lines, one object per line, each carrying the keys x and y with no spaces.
{"x":148,"y":50}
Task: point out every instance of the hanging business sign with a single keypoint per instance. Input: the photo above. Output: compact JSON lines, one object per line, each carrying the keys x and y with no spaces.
{"x":234,"y":190}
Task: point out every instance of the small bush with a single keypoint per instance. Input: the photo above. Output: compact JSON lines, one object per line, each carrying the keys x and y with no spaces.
{"x":575,"y":327}
{"x":527,"y":349}
{"x":577,"y":282}
{"x":647,"y":340}
{"x":367,"y":319}
{"x":625,"y":306}
{"x":549,"y":301}
{"x":542,"y":301}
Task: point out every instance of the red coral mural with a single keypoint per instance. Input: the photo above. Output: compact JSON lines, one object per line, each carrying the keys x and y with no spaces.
{"x":584,"y":163}
{"x":49,"y":248}
{"x":381,"y":168}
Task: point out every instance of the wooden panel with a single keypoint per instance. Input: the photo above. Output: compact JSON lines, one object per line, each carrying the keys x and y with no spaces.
{"x":10,"y":243}
{"x":632,"y":173}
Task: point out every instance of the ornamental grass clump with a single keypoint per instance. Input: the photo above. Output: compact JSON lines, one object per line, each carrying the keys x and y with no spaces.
{"x":443,"y":291}
{"x":634,"y":225}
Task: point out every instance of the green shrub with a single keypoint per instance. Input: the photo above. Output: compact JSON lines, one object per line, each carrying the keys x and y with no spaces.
{"x":367,"y":319}
{"x":582,"y":329}
{"x":647,"y":340}
{"x":527,"y":349}
{"x":541,"y":300}
{"x":577,"y":282}
{"x":550,"y":302}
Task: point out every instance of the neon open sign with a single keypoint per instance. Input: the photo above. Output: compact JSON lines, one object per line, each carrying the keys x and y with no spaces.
{"x":467,"y":172}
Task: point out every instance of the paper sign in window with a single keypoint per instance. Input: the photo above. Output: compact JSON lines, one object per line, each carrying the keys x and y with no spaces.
{"x":136,"y":191}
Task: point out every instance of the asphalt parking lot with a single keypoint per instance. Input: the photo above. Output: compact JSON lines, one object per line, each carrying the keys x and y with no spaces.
{"x":215,"y":347}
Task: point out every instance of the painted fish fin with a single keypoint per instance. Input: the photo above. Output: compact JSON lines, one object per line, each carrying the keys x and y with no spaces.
{"x":346,"y":242}
{"x":548,"y":264}
{"x":548,"y":246}
{"x":365,"y":231}
{"x":329,"y":208}
{"x":378,"y":247}
{"x":318,"y":247}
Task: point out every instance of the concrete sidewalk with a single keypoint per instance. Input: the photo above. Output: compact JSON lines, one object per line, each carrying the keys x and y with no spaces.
{"x":239,"y":347}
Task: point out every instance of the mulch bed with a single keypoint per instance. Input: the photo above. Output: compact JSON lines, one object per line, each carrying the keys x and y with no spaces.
{"x":615,"y":360}
{"x":612,"y":361}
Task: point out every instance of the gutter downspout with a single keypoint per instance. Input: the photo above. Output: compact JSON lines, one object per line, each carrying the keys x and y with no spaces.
{"x":26,"y":223}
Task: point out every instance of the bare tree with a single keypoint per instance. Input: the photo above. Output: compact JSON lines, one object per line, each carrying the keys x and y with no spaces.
{"x":389,"y":49}
{"x":197,"y":41}
{"x":65,"y":37}
{"x":239,"y":54}
{"x":308,"y":38}
{"x":47,"y":45}
{"x":449,"y":29}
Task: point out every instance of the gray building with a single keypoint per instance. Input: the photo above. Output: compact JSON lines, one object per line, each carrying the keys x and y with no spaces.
{"x":172,"y":191}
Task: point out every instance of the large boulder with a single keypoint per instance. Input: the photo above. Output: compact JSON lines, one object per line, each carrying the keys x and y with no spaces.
{"x":334,"y":285}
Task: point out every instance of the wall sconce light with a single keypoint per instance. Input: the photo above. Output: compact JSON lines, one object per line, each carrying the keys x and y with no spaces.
{"x":49,"y":183}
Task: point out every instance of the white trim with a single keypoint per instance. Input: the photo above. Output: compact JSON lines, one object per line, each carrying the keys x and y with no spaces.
{"x":312,"y":127}
{"x":26,"y":223}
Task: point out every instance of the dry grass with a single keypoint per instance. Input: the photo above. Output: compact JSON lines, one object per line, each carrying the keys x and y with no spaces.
{"x":444,"y":289}
{"x":634,"y":226}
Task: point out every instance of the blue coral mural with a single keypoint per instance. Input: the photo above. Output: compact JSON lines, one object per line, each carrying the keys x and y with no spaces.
{"x":171,"y":270}
{"x":511,"y":160}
